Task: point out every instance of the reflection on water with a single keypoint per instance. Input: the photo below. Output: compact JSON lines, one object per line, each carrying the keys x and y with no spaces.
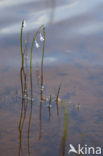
{"x":51,"y":14}
{"x":24,"y":106}
{"x":34,"y":120}
{"x":57,"y":99}
{"x":63,"y":144}
{"x":25,"y":97}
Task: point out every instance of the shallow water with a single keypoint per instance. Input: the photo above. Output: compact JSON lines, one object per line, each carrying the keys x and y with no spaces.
{"x":73,"y":57}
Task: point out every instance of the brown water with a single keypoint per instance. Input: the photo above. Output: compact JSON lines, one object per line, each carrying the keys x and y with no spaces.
{"x":73,"y":58}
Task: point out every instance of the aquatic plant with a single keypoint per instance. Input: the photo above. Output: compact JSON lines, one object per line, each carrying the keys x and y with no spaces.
{"x":57,"y":96}
{"x":58,"y":99}
{"x":34,"y":41}
{"x":42,"y":61}
{"x":65,"y":128}
{"x":21,"y":43}
{"x":23,"y":78}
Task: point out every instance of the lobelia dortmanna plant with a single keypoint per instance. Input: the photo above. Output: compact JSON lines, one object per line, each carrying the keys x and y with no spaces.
{"x":34,"y":42}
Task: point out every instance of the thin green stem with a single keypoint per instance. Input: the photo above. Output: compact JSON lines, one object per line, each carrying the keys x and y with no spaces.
{"x":34,"y":38}
{"x":21,"y":45}
{"x":21,"y":40}
{"x":65,"y":128}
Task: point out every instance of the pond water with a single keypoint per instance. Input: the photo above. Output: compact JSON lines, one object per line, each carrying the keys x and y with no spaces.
{"x":35,"y":122}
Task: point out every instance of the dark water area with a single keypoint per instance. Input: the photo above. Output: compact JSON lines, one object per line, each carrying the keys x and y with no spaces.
{"x":36,"y":123}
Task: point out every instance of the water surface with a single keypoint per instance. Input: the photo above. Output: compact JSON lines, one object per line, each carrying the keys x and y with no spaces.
{"x":73,"y":57}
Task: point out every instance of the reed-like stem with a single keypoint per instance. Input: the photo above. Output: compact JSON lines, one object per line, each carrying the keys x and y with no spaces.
{"x":21,"y":45}
{"x":43,"y":41}
{"x":65,"y":129}
{"x":34,"y":38}
{"x":21,"y":40}
{"x":65,"y":120}
{"x":42,"y":60}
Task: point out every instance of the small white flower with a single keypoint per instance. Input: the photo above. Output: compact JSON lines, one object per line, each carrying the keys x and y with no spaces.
{"x":59,"y":100}
{"x":42,"y":88}
{"x":37,"y":44}
{"x":24,"y":23}
{"x":41,"y":38}
{"x":50,"y":106}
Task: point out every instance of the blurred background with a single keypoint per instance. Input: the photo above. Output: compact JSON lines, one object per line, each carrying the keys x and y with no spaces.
{"x":73,"y":56}
{"x":73,"y":29}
